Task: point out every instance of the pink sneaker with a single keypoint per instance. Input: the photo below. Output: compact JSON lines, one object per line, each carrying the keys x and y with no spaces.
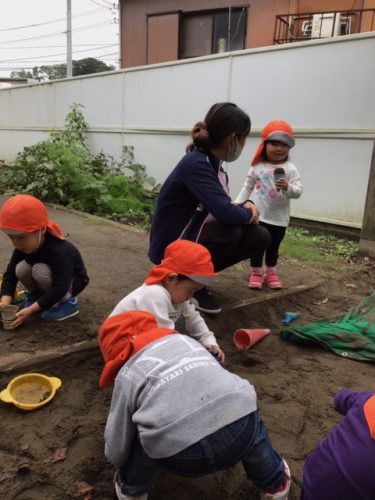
{"x":282,"y":492}
{"x":256,"y":278}
{"x":271,"y":279}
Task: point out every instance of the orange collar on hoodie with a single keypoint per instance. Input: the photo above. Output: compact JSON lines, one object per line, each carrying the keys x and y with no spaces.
{"x":369,"y":410}
{"x":123,"y":335}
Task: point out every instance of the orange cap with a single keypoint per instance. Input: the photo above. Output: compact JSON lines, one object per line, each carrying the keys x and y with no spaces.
{"x":123,"y":335}
{"x":184,"y":257}
{"x":24,"y":213}
{"x":277,"y":130}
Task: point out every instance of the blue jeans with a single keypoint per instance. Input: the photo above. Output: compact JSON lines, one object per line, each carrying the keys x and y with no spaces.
{"x":244,"y":440}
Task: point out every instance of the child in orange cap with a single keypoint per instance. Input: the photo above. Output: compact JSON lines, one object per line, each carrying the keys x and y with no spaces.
{"x":166,"y":293}
{"x":175,"y":408}
{"x":270,"y":183}
{"x":50,"y":268}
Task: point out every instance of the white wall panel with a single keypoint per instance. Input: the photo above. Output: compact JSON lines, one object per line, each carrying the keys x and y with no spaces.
{"x":324,"y":88}
{"x":175,"y":95}
{"x":312,"y":85}
{"x":101,"y":96}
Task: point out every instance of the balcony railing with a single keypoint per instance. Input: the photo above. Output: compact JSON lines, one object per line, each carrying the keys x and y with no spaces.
{"x":315,"y":25}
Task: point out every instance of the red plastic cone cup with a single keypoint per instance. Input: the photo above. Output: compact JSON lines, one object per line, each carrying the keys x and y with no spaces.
{"x":244,"y":338}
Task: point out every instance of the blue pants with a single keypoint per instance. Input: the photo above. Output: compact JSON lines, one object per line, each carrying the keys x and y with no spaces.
{"x":245,"y":440}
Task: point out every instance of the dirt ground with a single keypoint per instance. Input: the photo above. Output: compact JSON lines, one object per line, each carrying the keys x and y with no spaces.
{"x":56,"y":452}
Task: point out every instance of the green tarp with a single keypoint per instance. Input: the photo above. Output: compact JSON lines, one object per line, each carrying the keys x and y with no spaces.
{"x":352,"y":336}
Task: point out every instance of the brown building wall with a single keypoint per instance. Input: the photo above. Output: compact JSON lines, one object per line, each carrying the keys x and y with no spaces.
{"x":140,"y":28}
{"x":134,"y":14}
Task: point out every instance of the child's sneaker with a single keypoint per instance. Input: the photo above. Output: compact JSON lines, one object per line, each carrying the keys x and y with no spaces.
{"x":122,"y":496}
{"x":280,"y":493}
{"x":31,"y":297}
{"x":62,"y":311}
{"x":256,"y":278}
{"x":271,"y":279}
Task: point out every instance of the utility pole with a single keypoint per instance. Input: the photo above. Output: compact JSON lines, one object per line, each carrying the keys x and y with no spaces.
{"x":367,"y":241}
{"x":69,"y":71}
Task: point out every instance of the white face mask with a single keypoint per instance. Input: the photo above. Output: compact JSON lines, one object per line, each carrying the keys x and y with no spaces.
{"x":234,"y":155}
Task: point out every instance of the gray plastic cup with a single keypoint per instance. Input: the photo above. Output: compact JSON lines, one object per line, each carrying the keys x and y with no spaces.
{"x":7,"y":324}
{"x":8,"y":313}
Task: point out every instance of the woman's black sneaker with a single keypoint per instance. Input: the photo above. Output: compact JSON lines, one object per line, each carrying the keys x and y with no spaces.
{"x":204,"y":301}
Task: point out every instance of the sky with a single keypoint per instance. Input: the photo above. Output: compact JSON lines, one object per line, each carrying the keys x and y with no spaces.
{"x":33,"y":32}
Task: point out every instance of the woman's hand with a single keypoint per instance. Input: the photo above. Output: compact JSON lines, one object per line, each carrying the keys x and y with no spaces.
{"x":216,"y":353}
{"x":254,"y":211}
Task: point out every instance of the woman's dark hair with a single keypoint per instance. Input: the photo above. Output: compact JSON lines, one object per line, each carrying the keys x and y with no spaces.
{"x":222,"y":120}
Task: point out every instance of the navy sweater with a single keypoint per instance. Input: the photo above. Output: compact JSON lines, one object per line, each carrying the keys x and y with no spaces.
{"x":190,"y":192}
{"x":65,"y":262}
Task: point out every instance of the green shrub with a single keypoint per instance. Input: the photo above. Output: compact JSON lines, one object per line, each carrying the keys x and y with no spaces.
{"x":62,"y":170}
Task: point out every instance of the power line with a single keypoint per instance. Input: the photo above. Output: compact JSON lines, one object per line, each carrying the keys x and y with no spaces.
{"x":51,"y":55}
{"x":56,"y":46}
{"x":50,"y":22}
{"x":52,"y":62}
{"x":83,"y":28}
{"x":100,"y":5}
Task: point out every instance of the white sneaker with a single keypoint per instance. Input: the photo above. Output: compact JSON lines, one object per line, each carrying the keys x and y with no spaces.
{"x":122,"y":496}
{"x":283,"y":493}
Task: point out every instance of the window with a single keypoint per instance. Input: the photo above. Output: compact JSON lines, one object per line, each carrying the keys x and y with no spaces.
{"x":212,"y":32}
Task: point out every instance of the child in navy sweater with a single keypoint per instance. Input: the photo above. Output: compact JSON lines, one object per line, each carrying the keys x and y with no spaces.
{"x":49,"y":267}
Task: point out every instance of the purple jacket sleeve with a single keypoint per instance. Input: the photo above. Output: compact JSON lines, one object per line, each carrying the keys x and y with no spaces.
{"x":346,"y":398}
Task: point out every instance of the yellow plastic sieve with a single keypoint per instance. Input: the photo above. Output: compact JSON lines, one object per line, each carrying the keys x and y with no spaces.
{"x":30,"y":390}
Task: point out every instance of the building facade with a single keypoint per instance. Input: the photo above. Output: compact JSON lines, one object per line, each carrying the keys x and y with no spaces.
{"x":155,"y":31}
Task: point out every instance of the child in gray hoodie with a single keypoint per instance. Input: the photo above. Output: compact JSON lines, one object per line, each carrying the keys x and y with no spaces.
{"x":175,"y":407}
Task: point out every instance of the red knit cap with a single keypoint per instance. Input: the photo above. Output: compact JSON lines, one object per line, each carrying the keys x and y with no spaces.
{"x":123,"y":335}
{"x":184,"y":257}
{"x":24,"y":213}
{"x":277,"y":130}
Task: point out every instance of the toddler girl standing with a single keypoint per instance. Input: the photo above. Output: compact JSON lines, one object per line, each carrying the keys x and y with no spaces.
{"x":271,"y":182}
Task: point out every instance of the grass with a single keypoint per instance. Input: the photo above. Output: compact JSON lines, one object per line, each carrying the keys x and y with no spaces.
{"x":302,"y":245}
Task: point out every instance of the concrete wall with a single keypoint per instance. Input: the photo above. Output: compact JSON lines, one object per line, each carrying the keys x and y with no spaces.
{"x":324,"y":88}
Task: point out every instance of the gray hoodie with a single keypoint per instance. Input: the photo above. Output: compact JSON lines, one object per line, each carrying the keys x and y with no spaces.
{"x":173,"y":393}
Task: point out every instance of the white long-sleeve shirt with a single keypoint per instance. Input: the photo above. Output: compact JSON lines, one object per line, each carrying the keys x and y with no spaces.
{"x":260,"y":187}
{"x":157,"y":300}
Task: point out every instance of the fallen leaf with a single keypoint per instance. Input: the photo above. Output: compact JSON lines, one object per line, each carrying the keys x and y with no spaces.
{"x":320,"y":302}
{"x":57,"y":456}
{"x":362,"y":311}
{"x":350,"y":285}
{"x":80,"y":489}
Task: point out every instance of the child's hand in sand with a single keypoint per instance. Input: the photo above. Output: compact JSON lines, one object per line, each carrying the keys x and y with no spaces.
{"x":217,"y":353}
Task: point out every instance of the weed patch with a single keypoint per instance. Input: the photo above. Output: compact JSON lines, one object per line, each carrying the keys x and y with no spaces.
{"x":62,"y":170}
